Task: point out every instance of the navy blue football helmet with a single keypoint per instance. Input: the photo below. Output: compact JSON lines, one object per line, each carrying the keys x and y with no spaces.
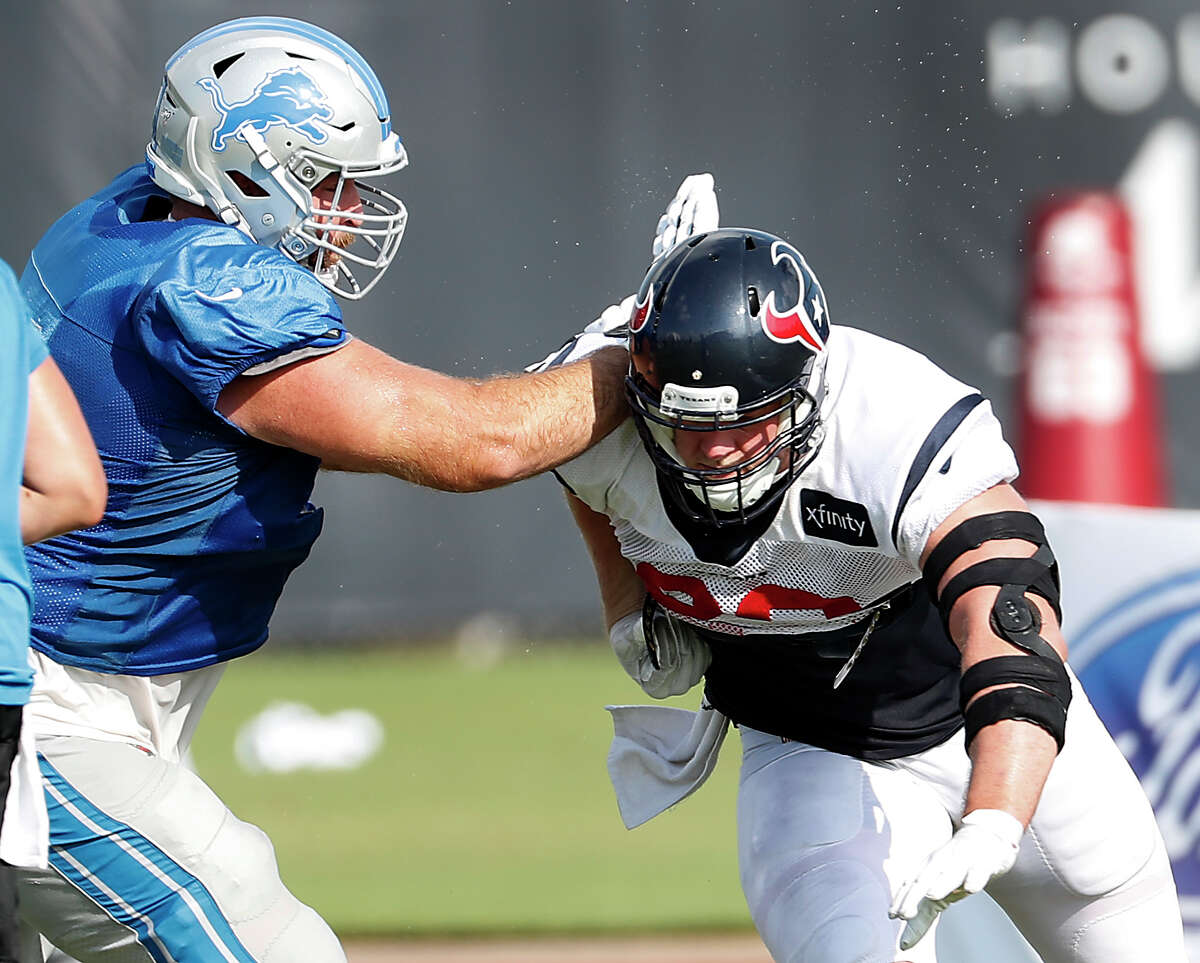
{"x":727,"y":332}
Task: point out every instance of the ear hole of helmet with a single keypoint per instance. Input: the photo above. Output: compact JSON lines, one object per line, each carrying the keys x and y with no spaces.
{"x":244,"y":184}
{"x":752,"y":297}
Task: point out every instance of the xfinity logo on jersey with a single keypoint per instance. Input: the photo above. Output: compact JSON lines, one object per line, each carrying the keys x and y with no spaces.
{"x":835,"y":519}
{"x":1140,"y":664}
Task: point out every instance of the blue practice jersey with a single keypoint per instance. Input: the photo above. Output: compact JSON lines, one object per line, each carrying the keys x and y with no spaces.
{"x":149,"y":320}
{"x":24,"y":351}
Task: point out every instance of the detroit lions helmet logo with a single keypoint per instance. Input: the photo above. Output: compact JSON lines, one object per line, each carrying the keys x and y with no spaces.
{"x":285,"y":98}
{"x":807,"y":320}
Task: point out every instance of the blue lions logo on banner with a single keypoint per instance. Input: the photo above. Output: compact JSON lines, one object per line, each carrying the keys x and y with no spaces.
{"x":1140,"y":664}
{"x":287,"y":98}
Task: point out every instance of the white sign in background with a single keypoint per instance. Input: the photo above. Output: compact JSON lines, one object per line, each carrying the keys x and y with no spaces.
{"x":1122,"y":64}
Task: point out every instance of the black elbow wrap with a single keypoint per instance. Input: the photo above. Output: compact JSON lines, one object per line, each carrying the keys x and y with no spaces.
{"x":1017,"y":702}
{"x":1038,"y":573}
{"x":1013,"y":617}
{"x":1037,"y":688}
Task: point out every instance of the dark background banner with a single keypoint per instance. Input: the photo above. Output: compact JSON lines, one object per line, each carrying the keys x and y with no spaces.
{"x":901,"y":146}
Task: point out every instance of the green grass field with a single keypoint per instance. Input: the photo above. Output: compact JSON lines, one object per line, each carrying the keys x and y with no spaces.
{"x":488,"y":810}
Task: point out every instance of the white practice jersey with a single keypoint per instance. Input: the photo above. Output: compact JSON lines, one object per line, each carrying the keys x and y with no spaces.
{"x":905,"y":444}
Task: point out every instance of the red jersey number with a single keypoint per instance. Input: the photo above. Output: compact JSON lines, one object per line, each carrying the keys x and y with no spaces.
{"x":689,"y":596}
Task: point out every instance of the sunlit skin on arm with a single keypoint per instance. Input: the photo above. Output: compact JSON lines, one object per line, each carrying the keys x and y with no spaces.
{"x":359,"y":409}
{"x":63,"y":485}
{"x":1010,"y":759}
{"x":621,"y":590}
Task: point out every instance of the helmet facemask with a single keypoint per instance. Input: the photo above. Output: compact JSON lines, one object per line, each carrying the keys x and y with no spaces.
{"x":348,"y":247}
{"x":728,"y":331}
{"x":734,"y":494}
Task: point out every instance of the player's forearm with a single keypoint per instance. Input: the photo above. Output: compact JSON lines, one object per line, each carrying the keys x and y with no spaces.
{"x":63,"y":485}
{"x":539,"y":421}
{"x":357,"y":409}
{"x":44,"y":516}
{"x":494,"y":432}
{"x":1010,"y":759}
{"x":621,"y":590}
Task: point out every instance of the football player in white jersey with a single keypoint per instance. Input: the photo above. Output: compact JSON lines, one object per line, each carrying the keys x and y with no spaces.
{"x":819,"y":524}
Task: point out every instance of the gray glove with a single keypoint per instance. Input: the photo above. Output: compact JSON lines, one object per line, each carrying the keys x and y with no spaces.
{"x":674,"y":662}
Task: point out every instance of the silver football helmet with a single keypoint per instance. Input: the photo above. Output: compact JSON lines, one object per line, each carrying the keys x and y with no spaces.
{"x":253,"y":115}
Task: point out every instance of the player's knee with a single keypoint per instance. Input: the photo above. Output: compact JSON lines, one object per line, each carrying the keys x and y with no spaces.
{"x":306,"y":937}
{"x":847,"y":939}
{"x":832,"y":913}
{"x":265,"y":914}
{"x":244,"y":855}
{"x":1138,"y":920}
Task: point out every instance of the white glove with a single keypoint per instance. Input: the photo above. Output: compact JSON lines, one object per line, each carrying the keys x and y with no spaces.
{"x":985,"y":846}
{"x":681,"y":654}
{"x":612,"y":318}
{"x":693,"y":211}
{"x":606,"y":331}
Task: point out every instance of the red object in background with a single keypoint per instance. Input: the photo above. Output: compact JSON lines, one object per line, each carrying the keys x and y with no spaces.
{"x":1087,"y":408}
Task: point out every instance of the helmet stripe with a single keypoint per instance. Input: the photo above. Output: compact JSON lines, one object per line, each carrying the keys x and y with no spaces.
{"x":306,"y":31}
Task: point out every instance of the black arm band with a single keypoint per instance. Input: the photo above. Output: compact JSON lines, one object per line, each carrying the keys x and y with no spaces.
{"x":1037,"y":672}
{"x":1022,"y":704}
{"x":1034,"y":574}
{"x":972,"y":533}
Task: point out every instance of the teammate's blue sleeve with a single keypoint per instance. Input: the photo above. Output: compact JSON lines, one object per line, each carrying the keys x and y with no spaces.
{"x":207,"y":329}
{"x":31,"y":343}
{"x":25,"y":352}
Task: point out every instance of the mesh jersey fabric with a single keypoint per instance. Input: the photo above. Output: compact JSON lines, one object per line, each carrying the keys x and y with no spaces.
{"x":150,"y":319}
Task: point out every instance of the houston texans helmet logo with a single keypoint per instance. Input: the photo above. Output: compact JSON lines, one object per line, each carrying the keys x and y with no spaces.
{"x":807,"y":321}
{"x":641,"y":311}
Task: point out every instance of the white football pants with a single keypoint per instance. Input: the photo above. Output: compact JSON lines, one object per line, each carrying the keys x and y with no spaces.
{"x":147,"y":865}
{"x":824,"y":841}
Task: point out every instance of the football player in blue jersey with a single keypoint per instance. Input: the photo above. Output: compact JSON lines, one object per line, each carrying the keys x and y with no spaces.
{"x":190,"y":304}
{"x":52,"y":482}
{"x":819,"y":524}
